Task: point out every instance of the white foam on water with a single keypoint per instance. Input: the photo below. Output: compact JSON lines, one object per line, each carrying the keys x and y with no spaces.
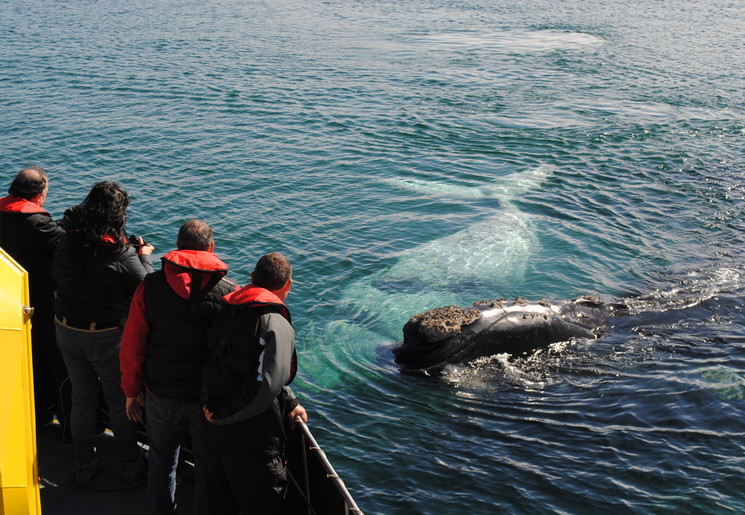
{"x":697,"y":287}
{"x":516,"y":40}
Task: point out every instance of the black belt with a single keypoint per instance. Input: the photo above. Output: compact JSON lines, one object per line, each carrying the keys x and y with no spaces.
{"x":88,"y":326}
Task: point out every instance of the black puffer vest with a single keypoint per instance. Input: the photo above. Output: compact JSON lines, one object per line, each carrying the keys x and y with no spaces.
{"x":177,"y":340}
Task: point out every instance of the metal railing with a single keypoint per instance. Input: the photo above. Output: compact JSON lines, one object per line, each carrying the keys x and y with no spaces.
{"x":310,"y":445}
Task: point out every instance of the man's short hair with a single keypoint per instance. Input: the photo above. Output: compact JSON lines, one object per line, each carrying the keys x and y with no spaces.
{"x":194,"y":235}
{"x":272,"y":271}
{"x":29,"y":183}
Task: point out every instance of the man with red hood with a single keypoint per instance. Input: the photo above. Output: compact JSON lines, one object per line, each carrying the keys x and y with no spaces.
{"x":30,"y":236}
{"x":247,"y":392}
{"x":163,"y":350}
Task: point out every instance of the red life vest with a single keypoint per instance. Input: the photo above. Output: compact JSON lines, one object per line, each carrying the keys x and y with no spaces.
{"x":11,"y":204}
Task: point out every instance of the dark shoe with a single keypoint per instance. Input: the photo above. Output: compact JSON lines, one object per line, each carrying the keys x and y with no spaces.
{"x":82,"y":475}
{"x":134,"y":472}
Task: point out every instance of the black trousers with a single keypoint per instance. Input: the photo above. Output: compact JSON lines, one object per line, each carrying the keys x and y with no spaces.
{"x":244,"y":468}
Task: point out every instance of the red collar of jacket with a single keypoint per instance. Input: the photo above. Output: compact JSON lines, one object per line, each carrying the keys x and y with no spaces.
{"x":11,"y":204}
{"x":196,"y":260}
{"x":255,"y":296}
{"x":251,"y":295}
{"x":179,"y":266}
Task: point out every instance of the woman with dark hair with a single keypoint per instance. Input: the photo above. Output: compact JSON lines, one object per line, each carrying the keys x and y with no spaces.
{"x":97,"y":270}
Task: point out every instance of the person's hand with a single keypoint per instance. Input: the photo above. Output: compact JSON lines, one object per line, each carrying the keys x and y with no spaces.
{"x":208,"y":414}
{"x":145,"y":248}
{"x":134,"y":408}
{"x":298,"y":411}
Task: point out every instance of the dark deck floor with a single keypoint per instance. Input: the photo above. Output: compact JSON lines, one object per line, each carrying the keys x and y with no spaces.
{"x":309,"y":471}
{"x":105,"y":496}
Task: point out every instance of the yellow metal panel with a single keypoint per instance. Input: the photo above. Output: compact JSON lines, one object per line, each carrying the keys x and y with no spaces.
{"x":19,"y":476}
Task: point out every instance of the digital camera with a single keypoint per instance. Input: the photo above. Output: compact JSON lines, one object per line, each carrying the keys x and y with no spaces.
{"x":135,"y":242}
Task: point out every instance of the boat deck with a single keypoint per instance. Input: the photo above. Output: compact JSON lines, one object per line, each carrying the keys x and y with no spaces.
{"x":59,"y":496}
{"x":314,"y":487}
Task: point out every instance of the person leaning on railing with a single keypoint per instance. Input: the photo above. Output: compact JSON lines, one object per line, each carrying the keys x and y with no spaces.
{"x":247,"y":394}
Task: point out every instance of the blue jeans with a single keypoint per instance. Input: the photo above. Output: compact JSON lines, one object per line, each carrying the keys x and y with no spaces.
{"x":168,"y":422}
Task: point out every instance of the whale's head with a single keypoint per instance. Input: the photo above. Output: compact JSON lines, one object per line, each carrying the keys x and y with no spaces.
{"x":438,"y":324}
{"x":453,"y":334}
{"x":434,"y":338}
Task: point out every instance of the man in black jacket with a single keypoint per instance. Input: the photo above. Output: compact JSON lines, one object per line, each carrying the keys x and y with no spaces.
{"x":30,"y":236}
{"x":246,"y":383}
{"x":163,"y":349}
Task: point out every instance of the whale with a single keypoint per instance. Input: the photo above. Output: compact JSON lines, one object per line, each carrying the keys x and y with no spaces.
{"x":491,"y":250}
{"x":450,"y":335}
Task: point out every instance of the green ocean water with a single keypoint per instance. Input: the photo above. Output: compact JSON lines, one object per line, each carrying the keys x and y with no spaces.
{"x":408,"y":155}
